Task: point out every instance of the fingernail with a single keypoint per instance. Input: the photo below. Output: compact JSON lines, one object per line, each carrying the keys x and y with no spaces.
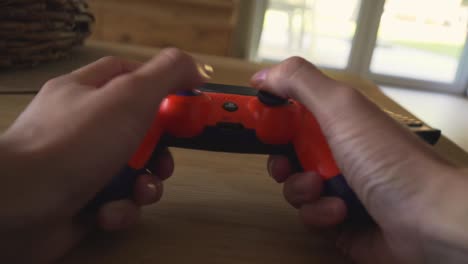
{"x":152,"y":191}
{"x":206,"y":71}
{"x":152,"y":188}
{"x":260,"y":76}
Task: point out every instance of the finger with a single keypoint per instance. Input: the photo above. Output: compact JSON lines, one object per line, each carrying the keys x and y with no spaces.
{"x":326,"y":212}
{"x":162,"y":165}
{"x":371,"y":149}
{"x":170,"y":71}
{"x":279,"y":168}
{"x":118,"y":215}
{"x":302,"y":188}
{"x":103,"y":70}
{"x":127,"y":106}
{"x":148,"y":190}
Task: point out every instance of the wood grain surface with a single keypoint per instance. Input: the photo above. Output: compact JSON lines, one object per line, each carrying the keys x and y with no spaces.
{"x":206,"y":26}
{"x":218,"y":207}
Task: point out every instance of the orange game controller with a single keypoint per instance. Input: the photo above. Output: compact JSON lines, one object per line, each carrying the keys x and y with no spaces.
{"x":241,"y":120}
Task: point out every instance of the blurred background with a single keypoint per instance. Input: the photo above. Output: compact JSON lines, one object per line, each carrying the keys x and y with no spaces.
{"x":410,"y":43}
{"x":414,"y":50}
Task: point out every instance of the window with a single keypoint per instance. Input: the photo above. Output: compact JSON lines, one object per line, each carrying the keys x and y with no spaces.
{"x":425,"y":38}
{"x":410,"y":43}
{"x":314,"y":29}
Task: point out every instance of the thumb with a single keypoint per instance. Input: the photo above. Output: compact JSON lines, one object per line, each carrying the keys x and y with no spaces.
{"x":386,"y":165}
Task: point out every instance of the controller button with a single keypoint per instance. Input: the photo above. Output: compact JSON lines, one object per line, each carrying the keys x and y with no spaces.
{"x":189,"y":93}
{"x":230,"y":107}
{"x":271,"y":100}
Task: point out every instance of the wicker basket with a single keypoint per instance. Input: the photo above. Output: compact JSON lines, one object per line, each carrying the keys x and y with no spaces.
{"x":38,"y":31}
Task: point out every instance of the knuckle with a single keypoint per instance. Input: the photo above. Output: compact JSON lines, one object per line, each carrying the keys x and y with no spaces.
{"x":174,"y":56}
{"x":111,"y":60}
{"x":297,"y":66}
{"x":291,"y":68}
{"x":53,"y":83}
{"x":291,"y":73}
{"x":295,"y":63}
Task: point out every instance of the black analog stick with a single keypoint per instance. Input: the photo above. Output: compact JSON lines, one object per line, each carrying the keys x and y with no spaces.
{"x":271,"y":100}
{"x":188,"y":93}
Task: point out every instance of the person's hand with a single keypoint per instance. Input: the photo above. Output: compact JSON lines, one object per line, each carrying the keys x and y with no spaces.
{"x":75,"y":135}
{"x":417,"y":198}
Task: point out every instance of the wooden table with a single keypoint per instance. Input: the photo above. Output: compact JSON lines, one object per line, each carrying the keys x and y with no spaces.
{"x":218,"y":207}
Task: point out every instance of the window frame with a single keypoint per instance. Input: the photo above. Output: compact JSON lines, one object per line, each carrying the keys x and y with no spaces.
{"x":362,"y":50}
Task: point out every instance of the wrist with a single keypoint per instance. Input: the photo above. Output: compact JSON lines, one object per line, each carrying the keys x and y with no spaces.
{"x":444,"y":226}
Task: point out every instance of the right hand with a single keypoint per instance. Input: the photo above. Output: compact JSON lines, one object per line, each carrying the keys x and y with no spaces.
{"x":417,"y":198}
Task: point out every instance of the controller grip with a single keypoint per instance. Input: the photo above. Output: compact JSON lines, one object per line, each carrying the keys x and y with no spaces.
{"x":120,"y":188}
{"x":338,"y":187}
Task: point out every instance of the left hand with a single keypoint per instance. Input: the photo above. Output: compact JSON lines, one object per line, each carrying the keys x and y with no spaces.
{"x":71,"y":140}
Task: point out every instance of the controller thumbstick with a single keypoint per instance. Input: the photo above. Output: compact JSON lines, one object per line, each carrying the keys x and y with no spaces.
{"x":188,"y":93}
{"x":271,"y":100}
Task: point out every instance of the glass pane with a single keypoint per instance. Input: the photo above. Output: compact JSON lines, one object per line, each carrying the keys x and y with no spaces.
{"x":314,"y":29}
{"x":421,"y":39}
